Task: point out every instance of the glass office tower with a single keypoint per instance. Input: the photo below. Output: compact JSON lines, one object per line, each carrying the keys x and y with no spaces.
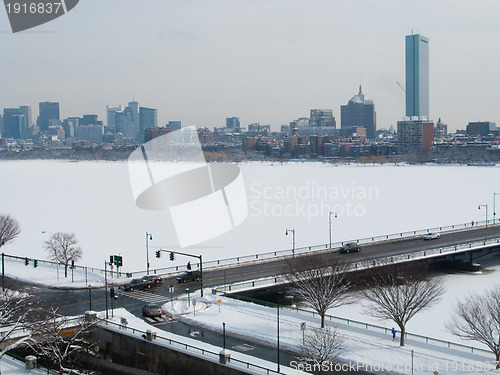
{"x":417,"y":76}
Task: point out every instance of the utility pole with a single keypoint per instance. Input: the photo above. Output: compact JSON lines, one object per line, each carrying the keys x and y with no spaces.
{"x":149,"y":237}
{"x":330,"y":213}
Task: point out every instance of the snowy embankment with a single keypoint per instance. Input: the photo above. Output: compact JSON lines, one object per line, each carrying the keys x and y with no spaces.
{"x":365,"y":349}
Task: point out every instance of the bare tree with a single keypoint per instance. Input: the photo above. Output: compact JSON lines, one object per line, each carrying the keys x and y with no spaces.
{"x":477,"y":318}
{"x":62,"y":248}
{"x":321,"y":345}
{"x":400,"y":298}
{"x":59,"y":340}
{"x":319,"y":281}
{"x":9,"y":229}
{"x":13,"y":312}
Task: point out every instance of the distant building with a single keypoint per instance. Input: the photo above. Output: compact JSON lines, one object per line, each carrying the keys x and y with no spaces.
{"x":322,"y":118}
{"x":148,"y":118}
{"x":152,"y":133}
{"x":359,"y":112}
{"x":417,"y":76}
{"x":16,"y":122}
{"x":174,"y":125}
{"x":259,"y":129}
{"x":482,"y":128}
{"x":47,"y":111}
{"x":111,"y":116}
{"x":90,"y":133}
{"x":440,"y":130}
{"x":415,"y":135}
{"x":233,"y":123}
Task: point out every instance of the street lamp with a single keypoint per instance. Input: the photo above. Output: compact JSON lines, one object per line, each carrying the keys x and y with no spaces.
{"x":494,"y":206}
{"x":293,"y":239}
{"x":90,"y":297}
{"x":330,"y":213}
{"x":149,"y":237}
{"x":189,"y":300}
{"x":486,"y":228}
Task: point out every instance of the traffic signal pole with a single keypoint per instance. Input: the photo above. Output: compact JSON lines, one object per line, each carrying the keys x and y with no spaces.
{"x":187,"y":255}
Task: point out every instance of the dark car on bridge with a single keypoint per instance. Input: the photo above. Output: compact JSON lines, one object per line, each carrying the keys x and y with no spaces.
{"x":154,"y":278}
{"x":188,"y":276}
{"x":136,"y":284}
{"x":350,"y":247}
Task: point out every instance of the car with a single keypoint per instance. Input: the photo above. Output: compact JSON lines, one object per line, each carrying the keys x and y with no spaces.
{"x":188,"y":276}
{"x":136,"y":284}
{"x":151,"y":310}
{"x":154,"y":278}
{"x":431,"y":236}
{"x":349,"y":247}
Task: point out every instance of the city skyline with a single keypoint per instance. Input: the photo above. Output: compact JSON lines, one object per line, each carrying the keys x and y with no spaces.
{"x":267,"y":62}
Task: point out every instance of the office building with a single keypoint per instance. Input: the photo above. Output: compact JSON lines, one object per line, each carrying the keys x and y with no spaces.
{"x":481,"y":128}
{"x":417,"y":76}
{"x":415,"y":135}
{"x":322,"y":118}
{"x":233,"y":123}
{"x":47,"y":111}
{"x":90,"y":133}
{"x":111,"y":115}
{"x":148,"y":118}
{"x":359,"y":112}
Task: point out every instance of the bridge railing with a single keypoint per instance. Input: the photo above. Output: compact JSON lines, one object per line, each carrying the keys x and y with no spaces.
{"x":368,"y":263}
{"x":268,"y":255}
{"x":364,"y":326}
{"x":194,"y":349}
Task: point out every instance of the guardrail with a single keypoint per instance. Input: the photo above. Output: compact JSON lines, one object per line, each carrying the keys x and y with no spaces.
{"x":200,"y":351}
{"x":368,"y":263}
{"x":363,"y":325}
{"x":302,"y":250}
{"x":272,"y":254}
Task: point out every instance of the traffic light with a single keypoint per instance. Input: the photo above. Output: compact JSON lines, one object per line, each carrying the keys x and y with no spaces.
{"x":35,"y":263}
{"x":112,"y":293}
{"x":111,"y":259}
{"x":26,"y":261}
{"x":158,"y":253}
{"x":189,"y":266}
{"x":72,"y":264}
{"x":172,"y":257}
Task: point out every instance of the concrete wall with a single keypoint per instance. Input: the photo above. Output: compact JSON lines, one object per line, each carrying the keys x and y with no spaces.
{"x":138,"y":353}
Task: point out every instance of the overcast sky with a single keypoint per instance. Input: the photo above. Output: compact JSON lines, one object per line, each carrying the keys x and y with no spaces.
{"x":267,"y":61}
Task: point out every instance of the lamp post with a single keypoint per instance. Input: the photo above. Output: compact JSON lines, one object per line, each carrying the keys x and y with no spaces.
{"x":330,"y":213}
{"x":149,"y":237}
{"x":486,"y":228}
{"x":90,"y":297}
{"x":224,"y":336}
{"x":189,"y":300}
{"x":293,"y":239}
{"x":494,"y":206}
{"x":278,"y":323}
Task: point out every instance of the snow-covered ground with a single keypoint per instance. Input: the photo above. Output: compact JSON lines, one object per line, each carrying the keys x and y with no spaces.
{"x":94,"y":200}
{"x":432,"y":322}
{"x":14,"y":367}
{"x":366,"y":349}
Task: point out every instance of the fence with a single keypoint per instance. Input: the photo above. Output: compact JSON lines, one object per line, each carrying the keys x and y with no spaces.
{"x":194,"y":349}
{"x":362,"y":325}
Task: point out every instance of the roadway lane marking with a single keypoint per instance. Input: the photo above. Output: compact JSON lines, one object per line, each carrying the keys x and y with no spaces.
{"x":149,"y":319}
{"x":146,"y":297}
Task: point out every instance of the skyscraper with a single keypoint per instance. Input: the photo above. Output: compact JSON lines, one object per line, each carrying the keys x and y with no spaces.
{"x":148,"y":118}
{"x":417,"y":76}
{"x":48,"y":111}
{"x":359,"y":112}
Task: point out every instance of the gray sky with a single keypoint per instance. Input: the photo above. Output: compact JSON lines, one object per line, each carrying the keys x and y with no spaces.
{"x":265,"y":61}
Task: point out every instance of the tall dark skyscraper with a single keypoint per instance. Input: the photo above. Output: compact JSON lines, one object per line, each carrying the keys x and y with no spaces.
{"x":360,"y":111}
{"x":48,"y":111}
{"x":417,"y":76}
